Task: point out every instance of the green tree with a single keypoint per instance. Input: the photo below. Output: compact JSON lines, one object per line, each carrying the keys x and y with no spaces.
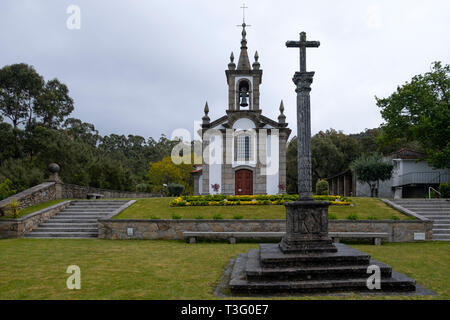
{"x":372,"y":169}
{"x":54,"y":103}
{"x":20,"y":85}
{"x":420,"y":111}
{"x":164,"y":172}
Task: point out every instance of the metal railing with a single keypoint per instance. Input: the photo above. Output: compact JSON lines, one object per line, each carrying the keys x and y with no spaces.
{"x":429,"y":192}
{"x":422,"y":178}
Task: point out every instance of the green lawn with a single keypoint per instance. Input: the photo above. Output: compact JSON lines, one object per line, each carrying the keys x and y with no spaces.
{"x":34,"y":208}
{"x":36,"y":268}
{"x":159,"y":207}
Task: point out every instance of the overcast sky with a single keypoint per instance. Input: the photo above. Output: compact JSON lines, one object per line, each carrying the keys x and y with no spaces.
{"x":146,"y":67}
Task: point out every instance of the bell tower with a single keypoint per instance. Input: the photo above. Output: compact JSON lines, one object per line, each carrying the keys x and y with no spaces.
{"x":243,"y":80}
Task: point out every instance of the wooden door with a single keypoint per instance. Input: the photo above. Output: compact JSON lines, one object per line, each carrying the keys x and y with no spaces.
{"x":244,"y":182}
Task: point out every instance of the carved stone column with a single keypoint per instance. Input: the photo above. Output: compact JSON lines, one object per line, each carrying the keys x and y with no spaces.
{"x":306,"y":219}
{"x":303,"y":81}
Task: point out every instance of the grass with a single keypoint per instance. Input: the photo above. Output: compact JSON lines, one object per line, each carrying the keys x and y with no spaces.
{"x":127,"y":269}
{"x":34,"y":208}
{"x":145,"y":208}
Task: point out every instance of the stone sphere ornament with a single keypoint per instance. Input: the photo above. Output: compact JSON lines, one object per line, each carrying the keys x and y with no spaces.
{"x":53,"y":168}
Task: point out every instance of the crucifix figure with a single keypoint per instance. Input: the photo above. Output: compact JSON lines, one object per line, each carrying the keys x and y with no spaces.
{"x":302,"y":44}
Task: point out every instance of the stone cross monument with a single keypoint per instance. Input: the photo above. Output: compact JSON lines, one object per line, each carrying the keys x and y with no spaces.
{"x":306,"y":219}
{"x":306,"y":260}
{"x":303,"y":81}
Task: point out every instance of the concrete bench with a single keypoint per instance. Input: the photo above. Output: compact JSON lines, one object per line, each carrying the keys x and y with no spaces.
{"x":375,"y":236}
{"x":192,"y":237}
{"x":94,"y":196}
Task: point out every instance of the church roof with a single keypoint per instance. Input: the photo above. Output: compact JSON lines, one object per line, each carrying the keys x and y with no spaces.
{"x":406,"y":153}
{"x":260,"y":120}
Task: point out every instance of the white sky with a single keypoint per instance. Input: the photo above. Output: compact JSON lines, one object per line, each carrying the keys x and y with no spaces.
{"x":147,"y":67}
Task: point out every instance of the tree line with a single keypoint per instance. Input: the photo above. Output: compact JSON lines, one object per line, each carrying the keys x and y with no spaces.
{"x":35,"y":130}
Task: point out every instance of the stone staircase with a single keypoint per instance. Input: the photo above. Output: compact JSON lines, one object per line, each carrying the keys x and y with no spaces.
{"x":437,"y":210}
{"x":78,"y":220}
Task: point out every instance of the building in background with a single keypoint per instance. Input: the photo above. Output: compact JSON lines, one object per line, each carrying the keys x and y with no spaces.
{"x":411,"y":178}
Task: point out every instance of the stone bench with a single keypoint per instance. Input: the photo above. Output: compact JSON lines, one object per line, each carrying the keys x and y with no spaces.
{"x":94,"y":196}
{"x":192,"y":236}
{"x":375,"y":236}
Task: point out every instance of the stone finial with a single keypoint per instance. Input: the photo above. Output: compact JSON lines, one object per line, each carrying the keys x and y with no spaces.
{"x":205,"y":117}
{"x":54,"y":168}
{"x":244,"y":62}
{"x":232,"y":65}
{"x":256,"y":64}
{"x":281,"y":117}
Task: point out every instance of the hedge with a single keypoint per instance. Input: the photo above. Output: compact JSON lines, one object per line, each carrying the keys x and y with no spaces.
{"x":224,"y":200}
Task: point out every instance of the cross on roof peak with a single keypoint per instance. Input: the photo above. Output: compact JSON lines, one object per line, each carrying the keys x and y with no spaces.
{"x":243,"y":13}
{"x":243,"y":25}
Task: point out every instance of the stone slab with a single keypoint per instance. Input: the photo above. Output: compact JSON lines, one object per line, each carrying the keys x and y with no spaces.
{"x":255,"y":272}
{"x":272,"y":256}
{"x":240,"y":285}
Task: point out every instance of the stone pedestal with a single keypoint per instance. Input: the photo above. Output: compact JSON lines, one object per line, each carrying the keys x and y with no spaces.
{"x":307,"y":228}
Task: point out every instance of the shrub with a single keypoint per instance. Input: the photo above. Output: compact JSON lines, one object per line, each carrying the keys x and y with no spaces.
{"x":13,"y":207}
{"x":142,"y":187}
{"x":6,"y":189}
{"x":352,"y":216}
{"x":175,"y":190}
{"x":238,"y":217}
{"x":176,"y":217}
{"x":218,"y":216}
{"x":199,"y":217}
{"x":332,"y":216}
{"x":444,"y":189}
{"x":322,"y":187}
{"x":155,"y":218}
{"x":395,"y":218}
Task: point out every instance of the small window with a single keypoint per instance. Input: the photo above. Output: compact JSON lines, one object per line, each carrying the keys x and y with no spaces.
{"x":243,"y":148}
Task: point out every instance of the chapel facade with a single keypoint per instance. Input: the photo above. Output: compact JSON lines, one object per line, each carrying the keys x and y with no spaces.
{"x":244,"y":152}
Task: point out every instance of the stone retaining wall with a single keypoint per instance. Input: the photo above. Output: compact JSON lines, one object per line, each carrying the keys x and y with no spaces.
{"x":54,"y":191}
{"x":41,"y":193}
{"x":398,"y":230}
{"x":16,"y":228}
{"x":72,"y":191}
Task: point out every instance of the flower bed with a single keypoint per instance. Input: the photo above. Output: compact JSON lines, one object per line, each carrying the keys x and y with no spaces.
{"x":224,"y":200}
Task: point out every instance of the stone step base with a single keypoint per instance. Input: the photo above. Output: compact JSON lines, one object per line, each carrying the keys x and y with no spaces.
{"x":62,"y":235}
{"x":78,"y":220}
{"x":67,"y":228}
{"x":255,"y":272}
{"x":440,"y":237}
{"x":441,"y":231}
{"x":241,"y":284}
{"x":271,"y":256}
{"x":55,"y":224}
{"x":66,"y":220}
